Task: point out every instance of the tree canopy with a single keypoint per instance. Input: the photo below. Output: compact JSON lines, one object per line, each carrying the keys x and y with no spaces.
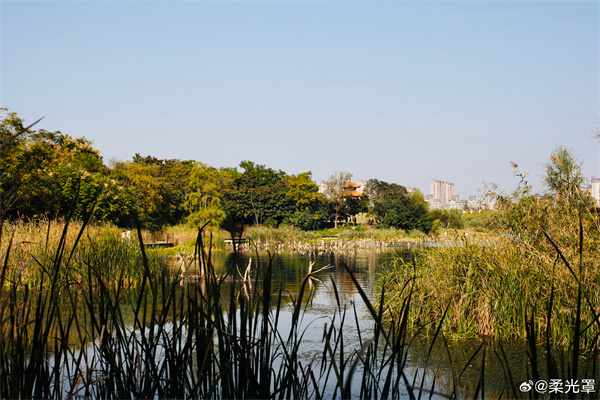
{"x":392,"y":206}
{"x":51,"y":175}
{"x":335,"y":194}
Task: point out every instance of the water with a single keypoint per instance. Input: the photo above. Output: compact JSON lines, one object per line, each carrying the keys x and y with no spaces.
{"x":446,"y":362}
{"x":449,"y":364}
{"x":452,"y":363}
{"x":289,"y":269}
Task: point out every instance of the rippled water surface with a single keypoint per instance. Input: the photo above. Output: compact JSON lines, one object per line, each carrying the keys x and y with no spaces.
{"x":452,"y":363}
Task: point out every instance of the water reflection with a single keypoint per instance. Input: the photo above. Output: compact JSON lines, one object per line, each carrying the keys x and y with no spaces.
{"x":451,"y":363}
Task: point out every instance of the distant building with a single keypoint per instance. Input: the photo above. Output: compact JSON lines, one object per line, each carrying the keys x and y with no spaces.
{"x":443,"y":192}
{"x":359,"y":186}
{"x":595,"y":189}
{"x":457,"y":204}
{"x":322,"y":187}
{"x":442,"y":197}
{"x":435,"y":204}
{"x":351,"y":189}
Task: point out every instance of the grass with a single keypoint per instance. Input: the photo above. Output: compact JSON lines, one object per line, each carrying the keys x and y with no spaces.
{"x":289,"y":238}
{"x":34,"y":247}
{"x":284,"y":234}
{"x":389,"y":234}
{"x":491,"y":288}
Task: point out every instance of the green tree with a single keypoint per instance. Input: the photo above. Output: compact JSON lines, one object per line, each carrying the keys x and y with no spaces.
{"x":563,"y":174}
{"x":235,"y":211}
{"x":255,"y":196}
{"x":305,"y":201}
{"x":203,"y":197}
{"x":448,"y":218}
{"x":302,"y":193}
{"x":262,"y":192}
{"x":18,"y":170}
{"x":158,"y":187}
{"x":77,"y":168}
{"x":52,"y":174}
{"x":385,"y":198}
{"x":356,"y":205}
{"x":393,"y":206}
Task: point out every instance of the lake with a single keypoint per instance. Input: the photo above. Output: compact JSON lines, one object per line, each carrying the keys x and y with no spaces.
{"x":449,"y":365}
{"x":333,"y":303}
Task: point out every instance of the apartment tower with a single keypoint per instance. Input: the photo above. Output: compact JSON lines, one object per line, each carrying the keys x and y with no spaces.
{"x":442,"y":191}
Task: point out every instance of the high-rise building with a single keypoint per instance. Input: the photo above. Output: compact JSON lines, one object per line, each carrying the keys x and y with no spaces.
{"x":595,"y":188}
{"x":442,"y":191}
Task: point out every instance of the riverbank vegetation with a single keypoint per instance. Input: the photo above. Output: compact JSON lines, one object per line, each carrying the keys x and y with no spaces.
{"x":29,"y":245}
{"x":117,"y":332}
{"x":540,"y":265}
{"x":44,"y":172}
{"x":86,"y":311}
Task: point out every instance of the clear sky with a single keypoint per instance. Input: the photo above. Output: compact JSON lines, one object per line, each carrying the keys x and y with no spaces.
{"x":398,"y":91}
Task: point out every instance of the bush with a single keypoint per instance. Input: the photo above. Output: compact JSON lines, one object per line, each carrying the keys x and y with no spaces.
{"x":306,"y":221}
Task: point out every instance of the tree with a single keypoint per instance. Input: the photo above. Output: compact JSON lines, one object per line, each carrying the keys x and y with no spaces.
{"x":385,"y":198}
{"x":203,"y":197}
{"x":52,"y":174}
{"x":255,"y":196}
{"x":356,"y":205}
{"x":304,"y":201}
{"x":302,"y":193}
{"x":335,"y":195}
{"x":265,"y":190}
{"x":14,"y":137}
{"x":393,"y":206}
{"x":448,"y":218}
{"x":158,"y":187}
{"x":235,"y":211}
{"x":563,"y":174}
{"x":11,"y":133}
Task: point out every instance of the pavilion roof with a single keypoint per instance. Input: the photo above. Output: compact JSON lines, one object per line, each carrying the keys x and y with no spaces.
{"x":350,"y":184}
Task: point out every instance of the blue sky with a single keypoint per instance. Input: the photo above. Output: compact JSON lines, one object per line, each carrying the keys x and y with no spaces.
{"x":398,"y":91}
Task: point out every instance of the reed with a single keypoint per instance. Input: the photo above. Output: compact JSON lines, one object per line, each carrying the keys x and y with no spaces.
{"x":491,"y":287}
{"x":373,"y":234}
{"x":184,"y":236}
{"x":35,"y":243}
{"x":105,"y":338}
{"x":283,"y":234}
{"x":97,"y":335}
{"x":494,"y":284}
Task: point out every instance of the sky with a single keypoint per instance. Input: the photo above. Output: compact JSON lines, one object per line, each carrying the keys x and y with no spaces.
{"x":400,"y":91}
